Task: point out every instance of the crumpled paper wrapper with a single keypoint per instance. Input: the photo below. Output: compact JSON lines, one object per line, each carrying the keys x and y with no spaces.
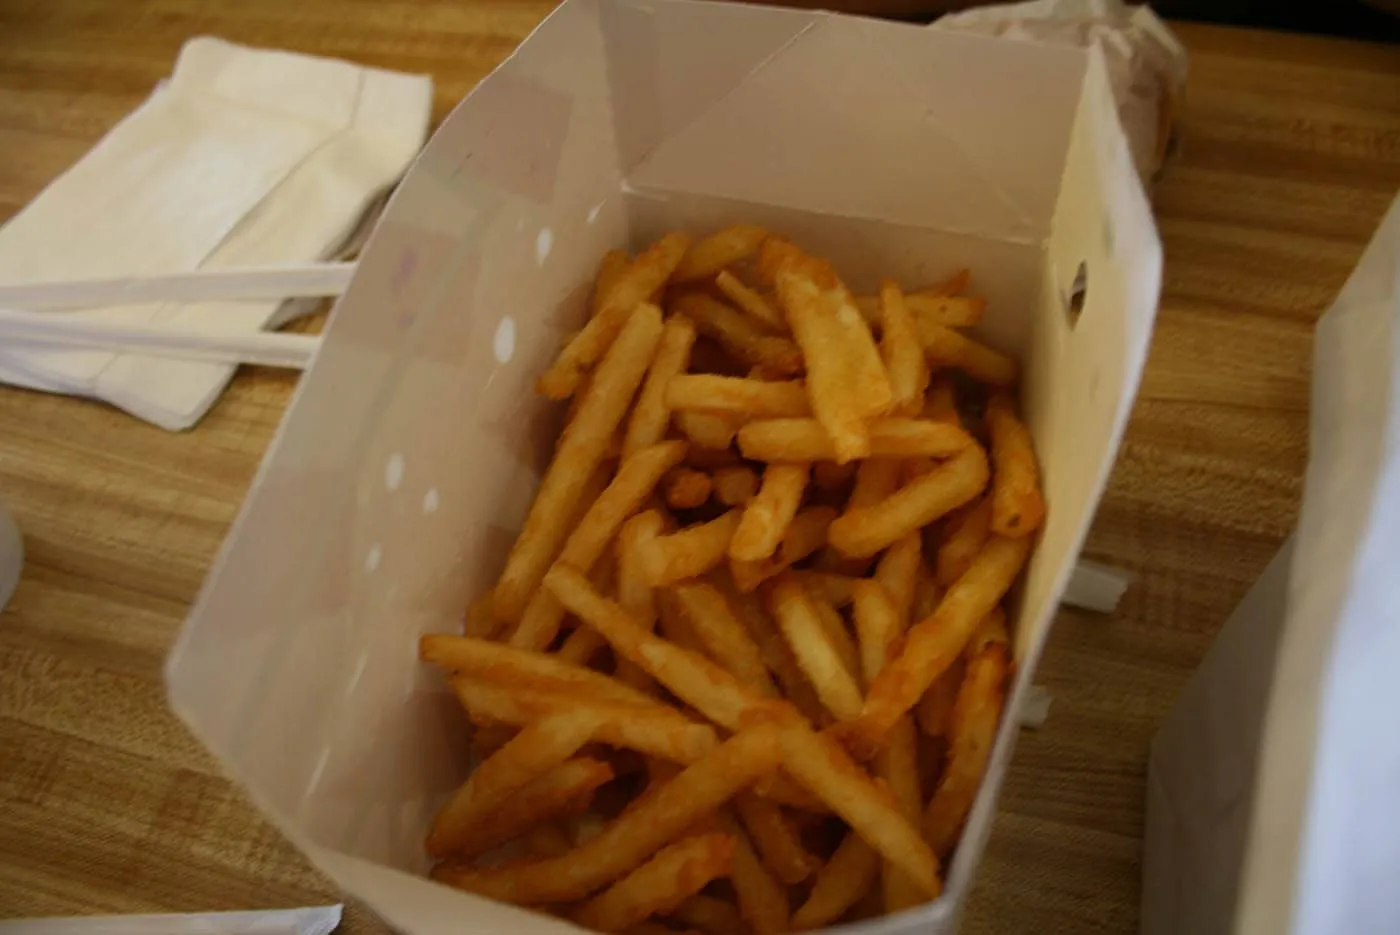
{"x":1146,"y":62}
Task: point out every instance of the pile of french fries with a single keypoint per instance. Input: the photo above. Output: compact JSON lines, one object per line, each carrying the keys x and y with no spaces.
{"x":748,"y":656}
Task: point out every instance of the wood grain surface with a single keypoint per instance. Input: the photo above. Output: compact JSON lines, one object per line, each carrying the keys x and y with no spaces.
{"x":1290,"y":153}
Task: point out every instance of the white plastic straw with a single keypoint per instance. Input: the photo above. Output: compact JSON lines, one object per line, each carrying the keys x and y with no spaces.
{"x":232,"y":285}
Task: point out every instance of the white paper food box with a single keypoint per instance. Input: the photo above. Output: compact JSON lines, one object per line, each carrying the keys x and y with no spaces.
{"x":410,"y":453}
{"x":1272,"y":790}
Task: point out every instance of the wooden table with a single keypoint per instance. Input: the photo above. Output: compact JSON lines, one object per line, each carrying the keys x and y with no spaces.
{"x":1290,"y":153}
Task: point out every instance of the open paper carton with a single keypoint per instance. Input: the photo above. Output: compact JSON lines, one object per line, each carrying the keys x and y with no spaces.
{"x":410,"y":454}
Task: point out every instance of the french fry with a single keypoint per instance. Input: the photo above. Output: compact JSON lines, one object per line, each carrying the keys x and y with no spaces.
{"x":805,"y":535}
{"x":677,"y":872}
{"x":898,"y":571}
{"x":839,"y":885}
{"x":763,"y":902}
{"x":810,"y":643}
{"x":724,"y":637}
{"x":877,"y":625}
{"x":818,"y":763}
{"x":636,"y":477}
{"x":992,"y":629}
{"x":902,"y":352}
{"x":488,"y":738}
{"x":697,"y":681}
{"x":963,"y":537}
{"x":653,"y":730}
{"x":709,"y":255}
{"x":707,"y":429}
{"x":533,"y":805}
{"x":927,"y":309}
{"x":634,"y":592}
{"x":838,"y":635}
{"x":547,"y":839}
{"x":692,"y":551}
{"x":898,"y":765}
{"x":537,"y":749}
{"x":932,"y":644}
{"x":766,"y":517}
{"x":581,"y":646}
{"x":712,"y":459}
{"x":941,"y":402}
{"x":927,"y":594}
{"x":581,"y":449}
{"x":651,"y":416}
{"x":806,"y":440}
{"x":610,"y":272}
{"x":777,"y":656}
{"x":971,"y":735}
{"x":862,"y":532}
{"x":647,"y":273}
{"x":654,"y":820}
{"x":479,"y":621}
{"x":836,"y":590}
{"x":945,"y":347}
{"x":686,"y":489}
{"x":876,"y":479}
{"x":750,"y":301}
{"x":934,"y":711}
{"x":743,"y":396}
{"x":741,"y":336}
{"x":1018,"y":508}
{"x":776,"y":840}
{"x":710,"y":915}
{"x":674,"y":626}
{"x":828,"y":475}
{"x":735,"y":486}
{"x":955,"y":284}
{"x":462,"y":654}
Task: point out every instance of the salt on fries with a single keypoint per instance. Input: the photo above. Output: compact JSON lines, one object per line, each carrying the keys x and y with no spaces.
{"x":759,"y":592}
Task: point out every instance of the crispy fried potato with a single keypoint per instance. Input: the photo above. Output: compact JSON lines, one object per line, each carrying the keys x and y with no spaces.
{"x":776,"y":839}
{"x":724,"y":637}
{"x":768,"y":515}
{"x":741,"y":335}
{"x":805,"y":440}
{"x":710,"y":915}
{"x":963,"y":537}
{"x":676,"y":873}
{"x":581,"y":449}
{"x":927,"y":309}
{"x":902,"y":352}
{"x":651,"y":416}
{"x":660,"y":816}
{"x":647,"y":273}
{"x":934,"y":712}
{"x":755,"y":399}
{"x":686,"y":488}
{"x":763,"y":902}
{"x":560,"y":791}
{"x":876,"y":479}
{"x":1018,"y":508}
{"x":847,"y":876}
{"x":941,"y":402}
{"x":805,"y":535}
{"x":751,"y":302}
{"x":945,"y":347}
{"x":723,"y":248}
{"x":898,"y":571}
{"x":505,"y":664}
{"x":735,"y":486}
{"x":811,"y":644}
{"x":777,"y":656}
{"x":610,"y":272}
{"x":692,"y":551}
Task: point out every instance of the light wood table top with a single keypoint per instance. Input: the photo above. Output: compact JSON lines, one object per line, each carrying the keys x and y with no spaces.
{"x":1290,"y":153}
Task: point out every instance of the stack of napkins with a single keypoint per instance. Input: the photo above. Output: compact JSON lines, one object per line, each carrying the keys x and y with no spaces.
{"x":244,"y":157}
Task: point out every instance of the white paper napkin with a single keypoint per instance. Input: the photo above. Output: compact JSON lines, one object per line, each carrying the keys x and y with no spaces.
{"x":243,"y":157}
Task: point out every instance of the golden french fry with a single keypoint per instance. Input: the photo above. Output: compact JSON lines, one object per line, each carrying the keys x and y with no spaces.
{"x":836,"y":590}
{"x":877,"y":625}
{"x":692,"y":551}
{"x":537,"y":749}
{"x":898,"y":570}
{"x":828,"y":475}
{"x":992,"y":629}
{"x":1018,"y":507}
{"x":898,"y":765}
{"x":488,"y":738}
{"x":635,"y":479}
{"x":941,"y":402}
{"x":927,"y":594}
{"x":735,"y":486}
{"x":927,"y":309}
{"x":479,"y":621}
{"x":581,"y":646}
{"x":651,"y":416}
{"x":810,"y":642}
{"x":634,"y":590}
{"x":963,"y":537}
{"x":777,"y":656}
{"x":581,"y":449}
{"x":902,"y":352}
{"x":862,"y":532}
{"x":818,"y":763}
{"x":766,"y":517}
{"x":931,"y":645}
{"x":547,"y":839}
{"x":723,"y":248}
{"x":945,"y":347}
{"x":971,"y":734}
{"x":725,"y":638}
{"x":676,"y":873}
{"x":533,"y":805}
{"x":653,"y":730}
{"x":876,"y":479}
{"x":847,"y":876}
{"x":805,"y":535}
{"x":708,"y":429}
{"x":674,"y":625}
{"x":654,"y":820}
{"x":610,"y":272}
{"x":686,"y":489}
{"x":776,"y":839}
{"x":697,"y":681}
{"x":935,"y":709}
{"x":750,"y":301}
{"x":647,"y":273}
{"x":462,"y":654}
{"x":743,"y":337}
{"x":711,"y":392}
{"x":710,"y":915}
{"x":763,"y":902}
{"x":805,"y":440}
{"x":838,"y":635}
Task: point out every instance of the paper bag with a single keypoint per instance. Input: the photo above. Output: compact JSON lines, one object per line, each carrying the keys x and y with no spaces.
{"x":409,"y":456}
{"x":1271,"y":791}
